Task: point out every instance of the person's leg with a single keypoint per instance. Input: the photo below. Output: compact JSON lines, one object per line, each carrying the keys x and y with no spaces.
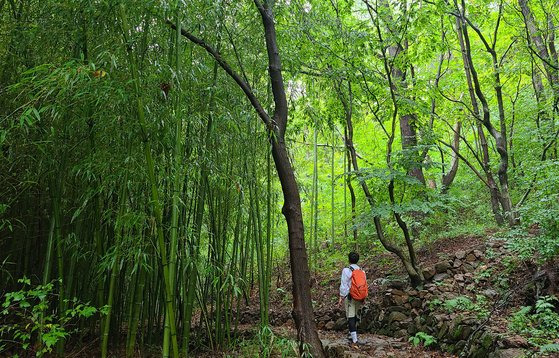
{"x":346,"y":306}
{"x":352,"y":319}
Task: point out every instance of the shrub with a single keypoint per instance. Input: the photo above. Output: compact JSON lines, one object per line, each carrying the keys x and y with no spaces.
{"x":539,"y":323}
{"x":422,"y":338}
{"x":25,"y":318}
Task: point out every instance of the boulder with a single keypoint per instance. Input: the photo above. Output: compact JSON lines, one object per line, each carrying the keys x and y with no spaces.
{"x":428,"y":273}
{"x":442,"y":267}
{"x":512,"y":353}
{"x":340,"y":324}
{"x":491,"y":293}
{"x":397,"y":284}
{"x":396,"y":316}
{"x":457,"y":263}
{"x":460,"y":254}
{"x":439,"y":277}
{"x":515,"y":342}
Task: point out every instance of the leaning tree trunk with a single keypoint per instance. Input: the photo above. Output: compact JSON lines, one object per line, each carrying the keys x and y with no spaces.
{"x":302,"y":304}
{"x":276,"y":124}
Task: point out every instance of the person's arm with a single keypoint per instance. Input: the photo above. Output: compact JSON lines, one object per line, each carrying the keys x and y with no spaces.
{"x":345,"y":284}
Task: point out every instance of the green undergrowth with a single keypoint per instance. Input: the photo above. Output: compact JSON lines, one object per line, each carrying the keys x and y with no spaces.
{"x":539,"y":323}
{"x":266,"y":343}
{"x":27,"y":325}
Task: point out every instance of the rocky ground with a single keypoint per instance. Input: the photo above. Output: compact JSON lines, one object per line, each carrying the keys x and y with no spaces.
{"x":473,"y":284}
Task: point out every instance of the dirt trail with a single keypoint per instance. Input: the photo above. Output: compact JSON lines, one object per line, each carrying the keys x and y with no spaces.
{"x":373,"y":345}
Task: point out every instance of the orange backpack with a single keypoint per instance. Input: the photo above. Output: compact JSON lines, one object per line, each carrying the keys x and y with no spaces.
{"x":359,"y":289}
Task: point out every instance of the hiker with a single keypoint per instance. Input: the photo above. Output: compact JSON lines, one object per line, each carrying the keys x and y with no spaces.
{"x":353,"y":291}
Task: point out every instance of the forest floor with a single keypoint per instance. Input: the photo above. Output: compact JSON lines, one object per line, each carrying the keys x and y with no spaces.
{"x":495,"y":262}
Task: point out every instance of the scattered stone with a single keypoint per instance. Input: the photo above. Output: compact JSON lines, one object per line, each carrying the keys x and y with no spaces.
{"x":457,"y":263}
{"x":460,"y":254}
{"x":330,"y":325}
{"x":400,"y":300}
{"x":397,"y":284}
{"x":491,"y":293}
{"x":428,"y":273}
{"x":512,"y":353}
{"x":396,"y":309}
{"x":471,"y":258}
{"x":401,"y":333}
{"x":468,"y":267}
{"x":442,"y":267}
{"x":515,"y":342}
{"x":478,"y":254}
{"x":340,"y":324}
{"x":439,"y":277}
{"x":396,"y":317}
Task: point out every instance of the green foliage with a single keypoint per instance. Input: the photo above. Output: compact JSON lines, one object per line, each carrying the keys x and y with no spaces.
{"x":267,"y":344}
{"x":542,"y":247}
{"x":422,"y":338}
{"x":26,"y":319}
{"x":549,"y":348}
{"x":539,"y":323}
{"x":466,"y":304}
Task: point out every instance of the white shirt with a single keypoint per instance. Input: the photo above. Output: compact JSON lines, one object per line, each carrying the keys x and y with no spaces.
{"x":346,"y":280}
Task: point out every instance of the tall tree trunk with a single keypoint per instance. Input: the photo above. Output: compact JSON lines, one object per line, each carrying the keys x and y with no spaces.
{"x":448,"y":178}
{"x":276,"y":124}
{"x":409,"y":263}
{"x":494,"y":192}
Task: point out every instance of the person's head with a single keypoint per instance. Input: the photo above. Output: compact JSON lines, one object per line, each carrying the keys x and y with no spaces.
{"x":353,"y":257}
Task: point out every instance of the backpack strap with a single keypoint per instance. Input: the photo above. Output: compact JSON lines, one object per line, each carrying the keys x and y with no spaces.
{"x":351,"y":268}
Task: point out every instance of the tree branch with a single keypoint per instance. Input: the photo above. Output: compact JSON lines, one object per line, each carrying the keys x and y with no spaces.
{"x":227,"y":68}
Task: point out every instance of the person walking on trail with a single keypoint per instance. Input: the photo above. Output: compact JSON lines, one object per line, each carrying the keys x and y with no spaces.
{"x":353,"y":291}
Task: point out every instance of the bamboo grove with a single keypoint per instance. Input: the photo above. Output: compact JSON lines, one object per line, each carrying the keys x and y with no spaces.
{"x":158,"y":159}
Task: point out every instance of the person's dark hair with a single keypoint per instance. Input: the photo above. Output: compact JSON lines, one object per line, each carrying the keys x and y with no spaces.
{"x":353,"y":257}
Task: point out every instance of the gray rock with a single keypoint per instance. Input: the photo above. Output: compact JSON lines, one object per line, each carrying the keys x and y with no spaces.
{"x":491,"y":293}
{"x":401,"y":333}
{"x":512,"y":353}
{"x":442,"y":267}
{"x":397,"y":317}
{"x":428,"y":273}
{"x":397,"y":284}
{"x":460,"y":254}
{"x":440,"y":277}
{"x":340,"y":324}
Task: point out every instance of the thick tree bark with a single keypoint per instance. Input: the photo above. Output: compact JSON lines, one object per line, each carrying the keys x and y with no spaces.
{"x":408,"y":127}
{"x":448,"y":178}
{"x":302,"y":303}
